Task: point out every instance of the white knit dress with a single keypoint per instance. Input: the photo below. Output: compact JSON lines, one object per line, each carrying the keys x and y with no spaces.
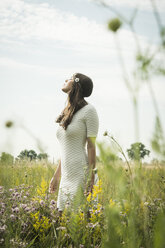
{"x":74,"y":159}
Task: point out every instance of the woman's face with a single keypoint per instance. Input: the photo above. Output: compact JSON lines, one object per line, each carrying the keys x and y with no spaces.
{"x":67,"y":86}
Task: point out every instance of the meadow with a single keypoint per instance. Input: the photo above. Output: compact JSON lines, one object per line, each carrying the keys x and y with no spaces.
{"x":124,"y":209}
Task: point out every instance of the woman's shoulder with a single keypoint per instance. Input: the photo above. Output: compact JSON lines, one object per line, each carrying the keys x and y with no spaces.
{"x":90,"y":109}
{"x":90,"y":106}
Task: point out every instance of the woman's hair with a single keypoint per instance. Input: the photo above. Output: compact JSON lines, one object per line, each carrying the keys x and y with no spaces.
{"x":75,"y":101}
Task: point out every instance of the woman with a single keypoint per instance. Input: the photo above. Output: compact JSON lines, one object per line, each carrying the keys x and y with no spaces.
{"x":78,"y":126}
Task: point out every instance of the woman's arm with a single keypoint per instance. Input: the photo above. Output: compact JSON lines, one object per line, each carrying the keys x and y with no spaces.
{"x":57,"y":173}
{"x":91,"y":159}
{"x":53,"y":186}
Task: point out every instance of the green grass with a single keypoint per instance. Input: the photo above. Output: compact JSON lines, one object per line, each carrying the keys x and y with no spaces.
{"x":129,"y":212}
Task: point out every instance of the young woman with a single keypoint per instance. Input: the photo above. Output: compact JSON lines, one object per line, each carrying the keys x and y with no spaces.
{"x":78,"y":126}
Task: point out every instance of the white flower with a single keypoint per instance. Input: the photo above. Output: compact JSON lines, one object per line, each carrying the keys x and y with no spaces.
{"x":76,"y":79}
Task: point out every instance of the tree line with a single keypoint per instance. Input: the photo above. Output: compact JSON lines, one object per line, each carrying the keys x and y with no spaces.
{"x":137,"y":152}
{"x":30,"y":155}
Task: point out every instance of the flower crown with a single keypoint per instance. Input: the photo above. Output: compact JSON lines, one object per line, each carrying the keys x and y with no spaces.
{"x":76,"y":80}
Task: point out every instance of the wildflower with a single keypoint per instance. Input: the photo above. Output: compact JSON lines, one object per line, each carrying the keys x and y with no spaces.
{"x":15,"y":210}
{"x":114,"y":24}
{"x":13,"y":217}
{"x":52,"y":202}
{"x":92,"y":225}
{"x":61,"y":228}
{"x":81,"y":216}
{"x":41,"y":222}
{"x":27,"y":209}
{"x":89,"y":225}
{"x":146,"y":203}
{"x":42,"y":189}
{"x":1,"y":241}
{"x":105,"y":133}
{"x":96,"y":189}
{"x":15,"y":194}
{"x":3,"y":205}
{"x":23,"y":205}
{"x":41,"y":202}
{"x":24,"y":225}
{"x":76,"y":80}
{"x":111,"y":202}
{"x":33,"y":209}
{"x":89,"y":197}
{"x":9,"y":124}
{"x":3,"y":228}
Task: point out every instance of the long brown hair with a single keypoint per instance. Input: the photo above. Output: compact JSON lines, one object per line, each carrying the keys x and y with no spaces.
{"x":75,"y":101}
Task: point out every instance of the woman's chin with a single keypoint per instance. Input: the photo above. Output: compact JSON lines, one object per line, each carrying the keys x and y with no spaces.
{"x":64,"y":90}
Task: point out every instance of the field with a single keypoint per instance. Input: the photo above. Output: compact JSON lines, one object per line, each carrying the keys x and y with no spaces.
{"x":126,"y":209}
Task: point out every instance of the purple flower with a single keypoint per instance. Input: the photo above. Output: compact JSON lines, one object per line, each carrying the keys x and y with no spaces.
{"x":27,"y":209}
{"x":33,"y":209}
{"x":53,"y":202}
{"x":42,"y":202}
{"x":23,"y":205}
{"x":3,"y":228}
{"x":15,"y":210}
{"x":13,"y":217}
{"x":24,"y":225}
{"x":3,"y":205}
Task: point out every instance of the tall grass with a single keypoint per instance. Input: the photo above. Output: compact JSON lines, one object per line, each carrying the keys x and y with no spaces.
{"x":122,"y":211}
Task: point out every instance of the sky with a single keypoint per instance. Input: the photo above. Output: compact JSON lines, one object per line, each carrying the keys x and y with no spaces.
{"x":42,"y":43}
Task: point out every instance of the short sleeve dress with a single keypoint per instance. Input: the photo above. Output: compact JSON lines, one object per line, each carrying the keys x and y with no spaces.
{"x":74,"y":159}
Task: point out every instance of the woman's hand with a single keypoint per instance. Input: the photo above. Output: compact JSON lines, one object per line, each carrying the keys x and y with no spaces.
{"x":53,"y":186}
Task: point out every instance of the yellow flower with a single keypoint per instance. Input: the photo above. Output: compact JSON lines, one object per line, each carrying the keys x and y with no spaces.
{"x":81,"y":216}
{"x":93,"y":217}
{"x":111,"y":203}
{"x":97,"y":189}
{"x":89,"y":197}
{"x":41,"y":222}
{"x":42,"y":189}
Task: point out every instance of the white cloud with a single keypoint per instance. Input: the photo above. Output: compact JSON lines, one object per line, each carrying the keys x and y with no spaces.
{"x":25,"y":21}
{"x":22,"y":22}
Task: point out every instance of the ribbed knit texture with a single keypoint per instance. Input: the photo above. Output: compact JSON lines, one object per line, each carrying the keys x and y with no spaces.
{"x":74,"y":159}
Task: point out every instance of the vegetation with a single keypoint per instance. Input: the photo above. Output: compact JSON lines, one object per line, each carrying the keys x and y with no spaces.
{"x":122,"y":210}
{"x":137,"y":151}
